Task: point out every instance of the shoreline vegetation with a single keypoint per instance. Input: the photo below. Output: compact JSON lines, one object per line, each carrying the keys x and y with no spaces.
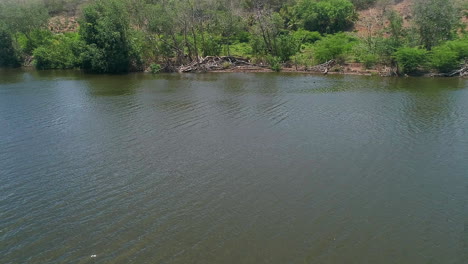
{"x":427,"y":38}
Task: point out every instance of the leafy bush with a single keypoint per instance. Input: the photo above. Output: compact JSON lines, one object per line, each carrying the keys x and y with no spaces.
{"x":411,"y":59}
{"x":155,"y":68}
{"x":305,"y":57}
{"x":335,"y":46}
{"x":34,"y":39}
{"x":212,"y":46}
{"x":447,"y":56}
{"x":444,"y":59}
{"x":327,"y":16}
{"x":305,"y":36}
{"x":258,"y":45}
{"x":285,"y":47}
{"x":275,"y":63}
{"x":62,"y":52}
{"x":369,"y":60}
{"x":460,"y":46}
{"x":239,"y":49}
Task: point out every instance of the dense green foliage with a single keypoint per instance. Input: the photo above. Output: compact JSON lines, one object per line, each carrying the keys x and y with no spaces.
{"x":334,"y":47}
{"x":447,"y":57}
{"x":411,"y":59}
{"x":435,"y":20}
{"x":116,"y":36}
{"x":60,"y":52}
{"x":105,"y":29}
{"x":326,"y":16}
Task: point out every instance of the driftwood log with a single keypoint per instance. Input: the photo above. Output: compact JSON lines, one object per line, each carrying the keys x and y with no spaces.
{"x":211,"y":63}
{"x":214,"y":63}
{"x":324,"y":67}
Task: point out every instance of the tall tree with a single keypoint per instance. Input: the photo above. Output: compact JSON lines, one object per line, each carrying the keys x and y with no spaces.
{"x":105,"y":28}
{"x":435,"y":21}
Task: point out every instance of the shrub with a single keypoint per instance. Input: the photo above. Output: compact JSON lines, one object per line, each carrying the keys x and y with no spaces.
{"x":460,"y":46}
{"x":411,"y":59}
{"x":369,"y":60}
{"x":155,"y":68}
{"x":444,"y":59}
{"x":62,"y":52}
{"x":447,"y":56}
{"x":285,"y":47}
{"x":275,"y":63}
{"x":335,"y":46}
{"x":212,"y":46}
{"x":238,"y":49}
{"x":36,"y":38}
{"x":305,"y":36}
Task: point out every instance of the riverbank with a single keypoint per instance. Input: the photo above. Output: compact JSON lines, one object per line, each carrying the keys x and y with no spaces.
{"x":228,"y":64}
{"x":348,"y":69}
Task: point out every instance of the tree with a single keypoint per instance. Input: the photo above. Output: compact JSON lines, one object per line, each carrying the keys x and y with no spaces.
{"x":435,"y":21}
{"x":327,"y":16}
{"x":21,"y":21}
{"x":23,"y":17}
{"x":8,"y":54}
{"x":105,"y":28}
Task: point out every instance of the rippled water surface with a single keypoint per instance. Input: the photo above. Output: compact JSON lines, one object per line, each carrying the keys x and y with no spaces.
{"x":232,"y":168}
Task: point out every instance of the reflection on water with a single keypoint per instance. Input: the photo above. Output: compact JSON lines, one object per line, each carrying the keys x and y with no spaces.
{"x":232,"y":168}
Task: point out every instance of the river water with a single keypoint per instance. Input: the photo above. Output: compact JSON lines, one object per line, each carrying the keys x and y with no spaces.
{"x":232,"y":168}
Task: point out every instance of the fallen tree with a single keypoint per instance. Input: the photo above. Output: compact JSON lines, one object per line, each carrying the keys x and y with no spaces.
{"x":213,"y":63}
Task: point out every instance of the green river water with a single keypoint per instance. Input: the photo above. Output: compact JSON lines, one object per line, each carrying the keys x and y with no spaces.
{"x":232,"y":168}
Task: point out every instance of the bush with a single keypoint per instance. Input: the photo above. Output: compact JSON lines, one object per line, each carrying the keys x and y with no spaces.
{"x":335,"y":46}
{"x":444,"y":59}
{"x":212,"y":46}
{"x":238,"y":49}
{"x":275,"y":63}
{"x":155,"y":68}
{"x":327,"y":16}
{"x":286,"y":46}
{"x":305,"y":36}
{"x":411,"y":59}
{"x":36,"y":38}
{"x":369,"y":60}
{"x":62,"y":52}
{"x":460,"y":46}
{"x":447,"y":56}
